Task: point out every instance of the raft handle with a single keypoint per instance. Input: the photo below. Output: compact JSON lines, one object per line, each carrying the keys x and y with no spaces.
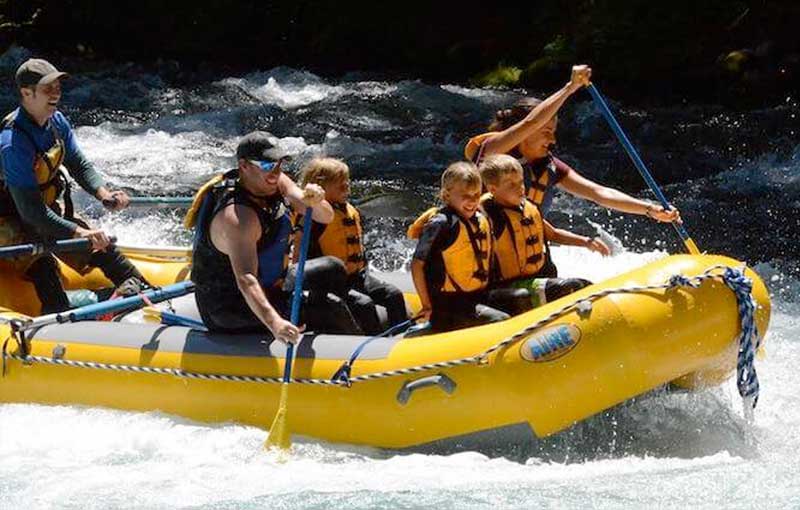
{"x":442,"y":381}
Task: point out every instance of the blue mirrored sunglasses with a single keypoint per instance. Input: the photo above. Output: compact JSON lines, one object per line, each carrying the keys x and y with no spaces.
{"x":268,"y":166}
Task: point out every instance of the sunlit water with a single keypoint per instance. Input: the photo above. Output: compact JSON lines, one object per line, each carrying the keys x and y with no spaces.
{"x":664,"y":450}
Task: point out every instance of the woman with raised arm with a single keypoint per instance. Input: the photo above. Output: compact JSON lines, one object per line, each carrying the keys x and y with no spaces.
{"x":527,"y":131}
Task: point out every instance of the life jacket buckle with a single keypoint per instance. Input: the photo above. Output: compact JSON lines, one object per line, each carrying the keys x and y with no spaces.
{"x":348,"y":221}
{"x":352,"y":240}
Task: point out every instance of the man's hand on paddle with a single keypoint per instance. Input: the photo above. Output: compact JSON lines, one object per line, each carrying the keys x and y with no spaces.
{"x":313,"y":195}
{"x":285,"y":331}
{"x":98,"y":238}
{"x":113,"y":200}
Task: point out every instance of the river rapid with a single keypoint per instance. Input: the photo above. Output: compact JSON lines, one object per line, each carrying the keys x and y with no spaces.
{"x":734,"y":175}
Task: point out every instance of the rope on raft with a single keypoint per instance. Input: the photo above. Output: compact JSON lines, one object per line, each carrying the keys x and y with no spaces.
{"x":733,"y":278}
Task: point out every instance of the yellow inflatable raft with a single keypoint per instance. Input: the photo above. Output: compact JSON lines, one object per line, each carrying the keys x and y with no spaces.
{"x":554,"y":366}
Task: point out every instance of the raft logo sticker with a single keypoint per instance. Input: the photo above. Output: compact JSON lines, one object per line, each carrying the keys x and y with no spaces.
{"x":550,"y":343}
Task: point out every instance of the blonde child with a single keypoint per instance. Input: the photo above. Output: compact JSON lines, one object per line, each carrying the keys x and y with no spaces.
{"x":343,"y":239}
{"x":450,"y":267}
{"x":521,"y":236}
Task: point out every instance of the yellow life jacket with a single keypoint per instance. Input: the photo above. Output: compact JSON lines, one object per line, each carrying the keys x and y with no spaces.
{"x":473,"y":151}
{"x":466,"y":260}
{"x":342,"y":238}
{"x":536,"y":186}
{"x":46,"y":163}
{"x":520,"y":247}
{"x":192,"y":215}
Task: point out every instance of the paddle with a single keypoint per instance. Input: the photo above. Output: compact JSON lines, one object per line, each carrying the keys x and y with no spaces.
{"x":168,"y":252}
{"x":637,"y":161}
{"x":279,"y":433}
{"x":153,"y":202}
{"x":164,"y":201}
{"x":172,"y":319}
{"x":112,"y":306}
{"x":63,"y":246}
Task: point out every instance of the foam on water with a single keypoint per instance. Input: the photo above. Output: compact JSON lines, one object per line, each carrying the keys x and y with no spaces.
{"x":694,"y":447}
{"x":144,"y":160}
{"x":664,"y":449}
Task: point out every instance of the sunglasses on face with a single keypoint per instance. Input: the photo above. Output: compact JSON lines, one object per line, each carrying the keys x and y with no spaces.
{"x":268,"y":166}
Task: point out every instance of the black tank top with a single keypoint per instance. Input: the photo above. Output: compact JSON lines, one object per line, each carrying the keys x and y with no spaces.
{"x":217,"y":293}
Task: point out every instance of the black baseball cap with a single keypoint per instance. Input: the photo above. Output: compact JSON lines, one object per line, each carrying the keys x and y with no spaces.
{"x":259,"y":146}
{"x":36,"y":71}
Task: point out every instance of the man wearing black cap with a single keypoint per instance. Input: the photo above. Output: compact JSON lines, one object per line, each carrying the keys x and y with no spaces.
{"x":36,"y":140}
{"x":242,"y":240}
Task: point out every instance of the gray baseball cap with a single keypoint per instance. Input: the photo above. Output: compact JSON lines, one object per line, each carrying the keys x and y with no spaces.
{"x":36,"y":71}
{"x":259,"y":146}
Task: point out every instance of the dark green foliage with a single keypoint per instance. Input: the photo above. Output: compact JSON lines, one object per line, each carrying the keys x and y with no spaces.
{"x":730,"y":50}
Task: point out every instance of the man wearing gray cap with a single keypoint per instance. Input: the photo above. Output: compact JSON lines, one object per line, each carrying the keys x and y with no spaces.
{"x":242,"y":232}
{"x":35,"y":142}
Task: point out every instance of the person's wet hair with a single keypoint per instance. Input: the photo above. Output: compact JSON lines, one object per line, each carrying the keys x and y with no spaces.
{"x":495,"y":166}
{"x":504,"y":119}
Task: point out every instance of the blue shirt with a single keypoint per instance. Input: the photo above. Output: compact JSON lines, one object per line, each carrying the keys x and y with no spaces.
{"x":17,"y":155}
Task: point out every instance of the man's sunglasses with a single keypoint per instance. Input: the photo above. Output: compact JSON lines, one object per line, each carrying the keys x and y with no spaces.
{"x":269,"y":166}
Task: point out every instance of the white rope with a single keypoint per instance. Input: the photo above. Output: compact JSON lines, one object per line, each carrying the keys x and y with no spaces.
{"x":735,"y":279}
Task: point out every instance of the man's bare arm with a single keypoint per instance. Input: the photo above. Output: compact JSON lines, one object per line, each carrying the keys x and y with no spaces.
{"x":235,"y":232}
{"x":313,"y":196}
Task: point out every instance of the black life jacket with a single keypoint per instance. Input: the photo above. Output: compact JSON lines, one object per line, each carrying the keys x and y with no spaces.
{"x":212,"y":270}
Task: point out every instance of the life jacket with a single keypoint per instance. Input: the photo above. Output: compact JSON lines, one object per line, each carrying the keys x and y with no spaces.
{"x":473,"y":151}
{"x":342,"y":238}
{"x":519,"y":244}
{"x":466,"y":260}
{"x":540,"y":176}
{"x":211,"y":266}
{"x":46,"y":168}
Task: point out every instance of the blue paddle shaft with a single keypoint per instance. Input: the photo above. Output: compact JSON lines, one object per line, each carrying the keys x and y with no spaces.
{"x":117,"y":305}
{"x":35,"y":248}
{"x":297,"y":295}
{"x":114,"y":305}
{"x":153,"y":201}
{"x":175,"y":201}
{"x":62,"y":246}
{"x":637,"y":161}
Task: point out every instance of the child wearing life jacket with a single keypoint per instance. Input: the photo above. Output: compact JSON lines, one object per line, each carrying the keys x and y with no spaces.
{"x":522,"y":256}
{"x":451,"y":263}
{"x":343,"y":239}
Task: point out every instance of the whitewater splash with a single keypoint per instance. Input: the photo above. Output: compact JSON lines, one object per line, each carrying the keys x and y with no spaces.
{"x":664,"y":449}
{"x":682,"y":444}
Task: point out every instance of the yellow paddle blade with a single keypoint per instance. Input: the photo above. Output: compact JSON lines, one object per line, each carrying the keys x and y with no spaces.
{"x":279,"y":434}
{"x":693,"y":249}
